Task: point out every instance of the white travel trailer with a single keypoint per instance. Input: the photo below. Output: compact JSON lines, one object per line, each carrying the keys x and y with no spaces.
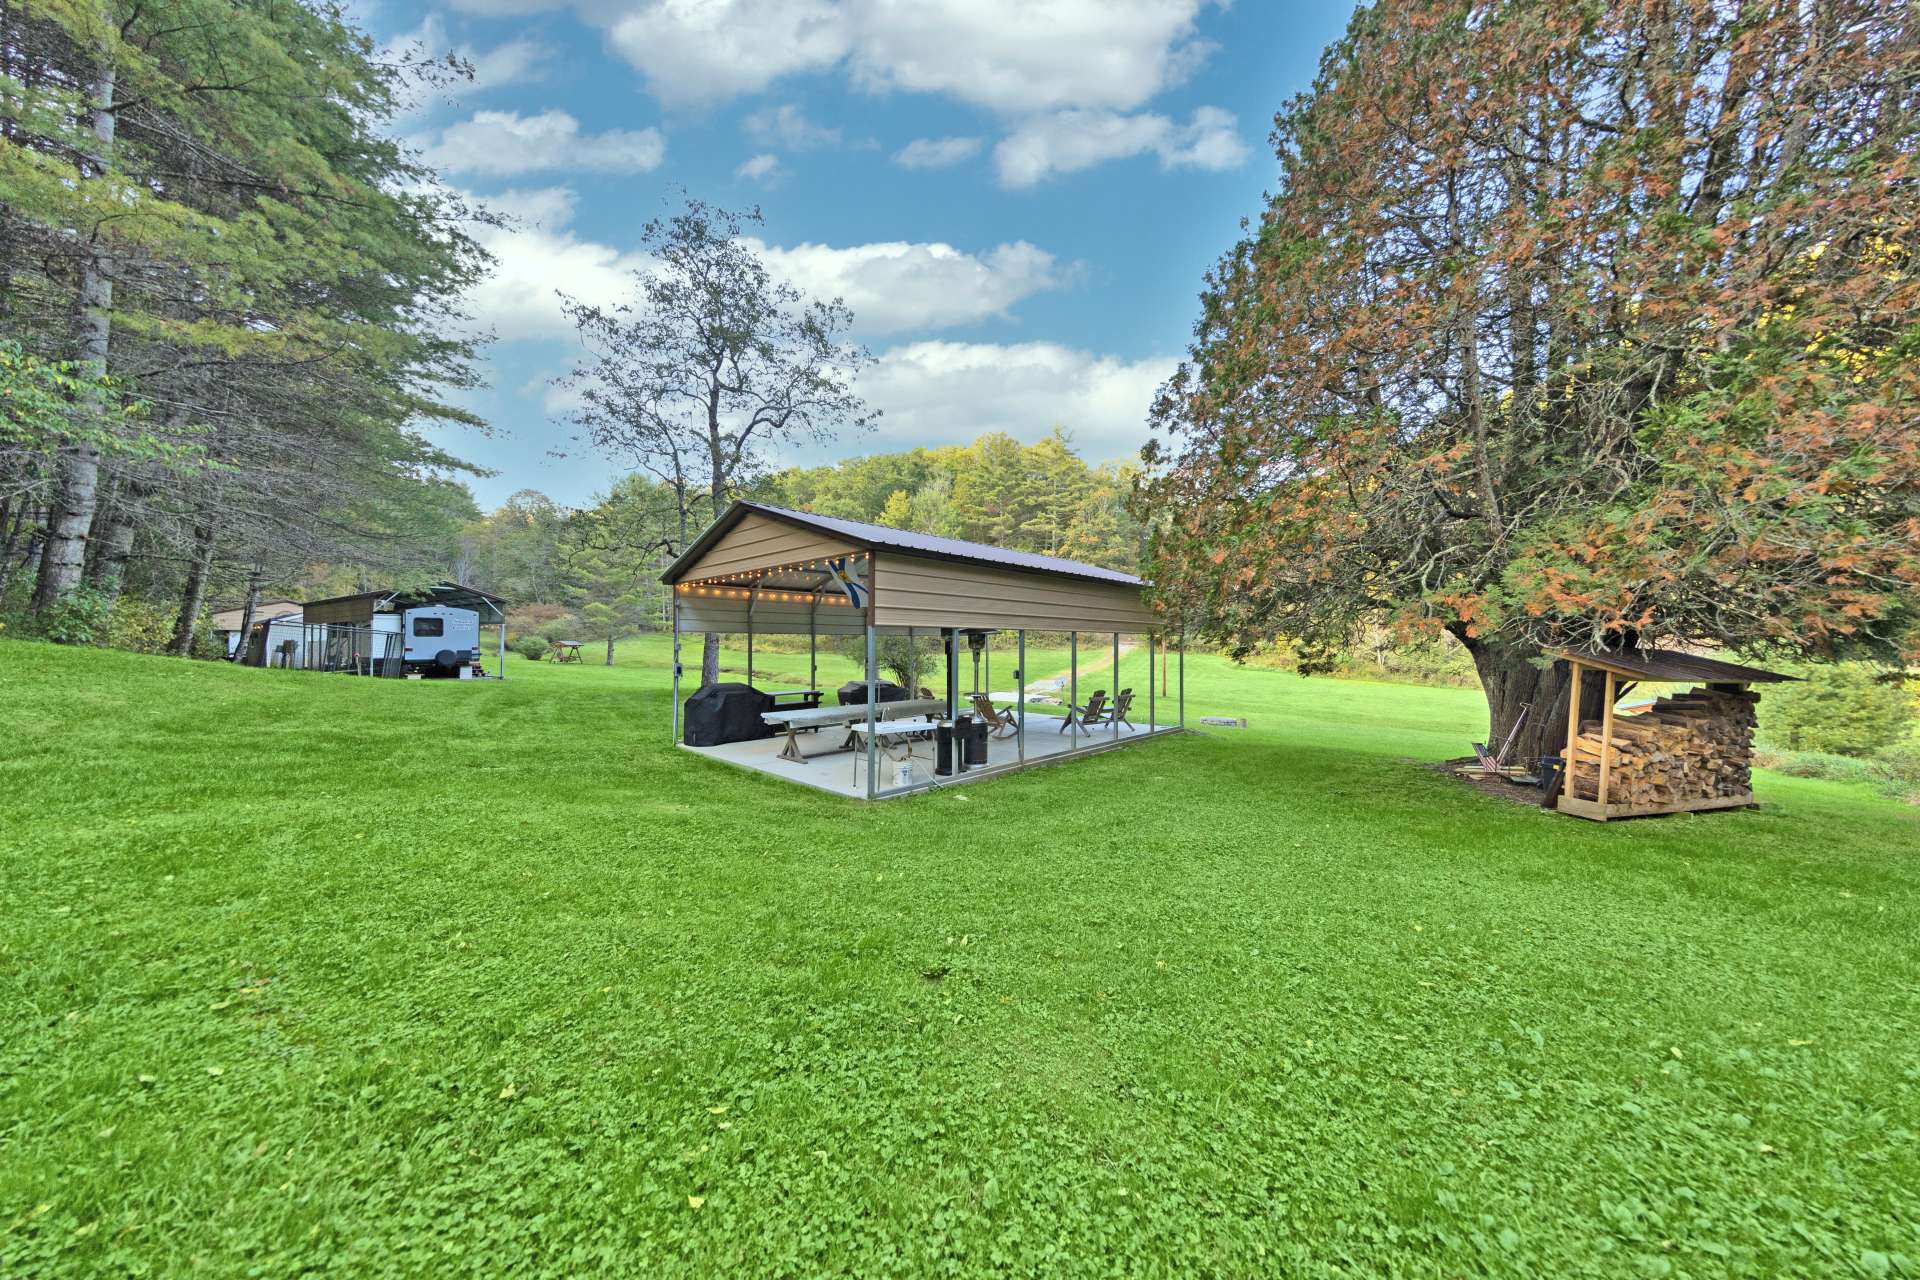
{"x":439,"y":641}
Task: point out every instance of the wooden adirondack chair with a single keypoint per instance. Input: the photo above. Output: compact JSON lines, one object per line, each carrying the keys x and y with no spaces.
{"x":1087,"y":716}
{"x":1000,"y":723}
{"x":1122,"y":704}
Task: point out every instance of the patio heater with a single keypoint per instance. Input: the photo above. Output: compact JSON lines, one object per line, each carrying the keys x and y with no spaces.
{"x":977,"y":644}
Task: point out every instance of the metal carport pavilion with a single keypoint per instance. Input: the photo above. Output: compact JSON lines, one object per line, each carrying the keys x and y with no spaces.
{"x":767,"y":570}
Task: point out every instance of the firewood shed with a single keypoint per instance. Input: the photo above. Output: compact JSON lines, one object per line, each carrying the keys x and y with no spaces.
{"x":1682,"y":753}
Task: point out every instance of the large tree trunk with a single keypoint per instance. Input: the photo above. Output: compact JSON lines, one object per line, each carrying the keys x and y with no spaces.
{"x":1513,"y":682}
{"x":246,"y":620}
{"x":709,"y":640}
{"x":79,"y":471}
{"x":199,"y":569}
{"x":113,"y":543}
{"x":13,"y":514}
{"x":105,"y":498}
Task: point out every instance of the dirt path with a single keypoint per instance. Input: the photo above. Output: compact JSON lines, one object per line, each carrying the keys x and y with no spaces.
{"x":1102,"y":663}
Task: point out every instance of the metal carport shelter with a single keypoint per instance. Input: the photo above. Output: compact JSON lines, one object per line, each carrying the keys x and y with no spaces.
{"x":767,"y":570}
{"x":357,"y":610}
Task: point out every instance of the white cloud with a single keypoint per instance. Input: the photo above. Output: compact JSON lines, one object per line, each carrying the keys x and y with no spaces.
{"x":703,"y":51}
{"x":1069,"y":141}
{"x":503,"y":143}
{"x":787,"y":126}
{"x":1016,"y":56}
{"x":539,"y":259}
{"x":763,"y":168}
{"x":892,"y":287}
{"x":936,"y":153}
{"x":1009,"y":56}
{"x":951,"y":392}
{"x":898,"y":286}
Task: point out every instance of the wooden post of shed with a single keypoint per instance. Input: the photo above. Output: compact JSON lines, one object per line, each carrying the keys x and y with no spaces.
{"x":1573,"y":723}
{"x":1606,"y":738}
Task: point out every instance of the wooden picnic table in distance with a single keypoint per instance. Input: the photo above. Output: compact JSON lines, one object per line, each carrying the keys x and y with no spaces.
{"x":801,"y":698}
{"x":567,"y":650}
{"x":821,"y":717}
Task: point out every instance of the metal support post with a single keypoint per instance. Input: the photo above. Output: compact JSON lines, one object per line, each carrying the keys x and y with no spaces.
{"x":1020,"y":695}
{"x":676,"y":670}
{"x":873,"y":717}
{"x":1073,"y":689}
{"x":1152,"y":723}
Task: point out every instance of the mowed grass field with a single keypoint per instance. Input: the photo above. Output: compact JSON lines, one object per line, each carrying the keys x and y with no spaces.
{"x":312,"y":975}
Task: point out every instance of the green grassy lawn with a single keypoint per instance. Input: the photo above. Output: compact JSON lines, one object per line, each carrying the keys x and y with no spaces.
{"x":305,"y":973}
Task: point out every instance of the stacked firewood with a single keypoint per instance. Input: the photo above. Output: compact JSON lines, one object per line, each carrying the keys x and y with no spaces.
{"x":1696,"y":745}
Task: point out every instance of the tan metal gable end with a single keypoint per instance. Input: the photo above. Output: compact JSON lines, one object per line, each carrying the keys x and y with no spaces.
{"x":760,"y":542}
{"x":912,"y":591}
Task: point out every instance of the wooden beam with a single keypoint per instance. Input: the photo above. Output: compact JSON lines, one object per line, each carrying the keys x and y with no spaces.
{"x":1606,"y":740}
{"x":1600,"y":813}
{"x":1573,"y":723}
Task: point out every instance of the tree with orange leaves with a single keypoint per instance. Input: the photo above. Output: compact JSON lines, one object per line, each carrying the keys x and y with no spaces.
{"x":1569,"y":326}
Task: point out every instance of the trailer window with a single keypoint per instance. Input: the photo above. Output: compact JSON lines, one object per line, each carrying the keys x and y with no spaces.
{"x":429,"y":626}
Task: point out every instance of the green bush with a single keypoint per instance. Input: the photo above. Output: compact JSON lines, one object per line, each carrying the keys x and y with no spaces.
{"x":1843,"y":709}
{"x":532,"y":648}
{"x":82,"y":616}
{"x":1895,"y":770}
{"x":144,"y":626}
{"x":1819,"y":764}
{"x":1900,"y":763}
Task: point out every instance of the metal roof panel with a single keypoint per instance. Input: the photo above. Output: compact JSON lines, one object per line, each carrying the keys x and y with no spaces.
{"x":882,"y":537}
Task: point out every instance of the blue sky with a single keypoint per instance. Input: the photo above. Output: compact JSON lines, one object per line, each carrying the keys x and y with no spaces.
{"x":1017,"y":197}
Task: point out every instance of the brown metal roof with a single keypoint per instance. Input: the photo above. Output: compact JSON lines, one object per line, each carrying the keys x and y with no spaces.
{"x":449,"y":595}
{"x":880,"y":537}
{"x":1670,"y":664}
{"x":229,"y":619}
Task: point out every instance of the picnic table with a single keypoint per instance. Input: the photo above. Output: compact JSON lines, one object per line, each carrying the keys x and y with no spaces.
{"x":567,"y":650}
{"x":801,"y":718}
{"x":801,"y":698}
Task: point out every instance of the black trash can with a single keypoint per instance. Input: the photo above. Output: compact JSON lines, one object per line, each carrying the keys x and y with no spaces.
{"x":1552,"y":772}
{"x":943,"y":750}
{"x":962,"y":734}
{"x":977,"y":744}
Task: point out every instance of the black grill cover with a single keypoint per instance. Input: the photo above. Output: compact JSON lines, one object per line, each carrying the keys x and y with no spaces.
{"x":854,"y":693}
{"x":727,"y":713}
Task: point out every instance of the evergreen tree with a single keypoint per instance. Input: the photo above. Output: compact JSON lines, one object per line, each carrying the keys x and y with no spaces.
{"x":198,"y":209}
